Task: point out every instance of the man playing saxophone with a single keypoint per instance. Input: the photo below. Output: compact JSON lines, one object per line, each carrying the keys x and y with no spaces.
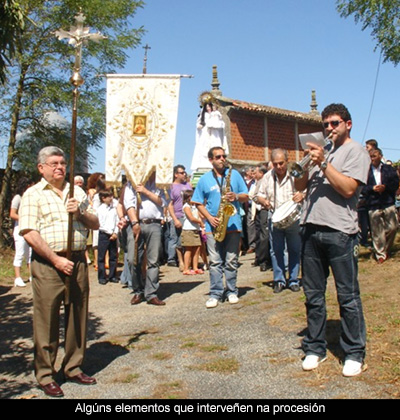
{"x":221,"y":187}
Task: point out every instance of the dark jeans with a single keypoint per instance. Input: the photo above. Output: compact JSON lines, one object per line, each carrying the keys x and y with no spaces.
{"x":105,"y":244}
{"x":263,"y":245}
{"x":325,"y":248}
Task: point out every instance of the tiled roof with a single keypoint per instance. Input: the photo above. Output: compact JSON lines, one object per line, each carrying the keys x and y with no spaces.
{"x":312,"y":117}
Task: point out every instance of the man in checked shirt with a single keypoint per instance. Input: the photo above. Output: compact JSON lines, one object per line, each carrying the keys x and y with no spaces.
{"x":44,"y":215}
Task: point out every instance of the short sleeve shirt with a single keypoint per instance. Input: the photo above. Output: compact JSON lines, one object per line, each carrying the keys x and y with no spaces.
{"x":208,"y":192}
{"x":43,"y":210}
{"x":324,"y":205}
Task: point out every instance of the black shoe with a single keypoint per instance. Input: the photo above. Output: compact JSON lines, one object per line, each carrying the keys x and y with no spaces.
{"x":172,"y":264}
{"x":255,"y":263}
{"x":263,"y":267}
{"x":114,"y":280}
{"x":103,"y":281}
{"x":278,"y":287}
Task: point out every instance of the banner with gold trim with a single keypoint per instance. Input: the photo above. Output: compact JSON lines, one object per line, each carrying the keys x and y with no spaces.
{"x":142,"y":112}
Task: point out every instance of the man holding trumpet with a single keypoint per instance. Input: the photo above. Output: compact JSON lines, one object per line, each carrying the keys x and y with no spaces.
{"x":329,"y":234}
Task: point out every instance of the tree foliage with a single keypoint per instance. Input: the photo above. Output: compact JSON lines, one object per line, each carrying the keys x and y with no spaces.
{"x":11,"y":26}
{"x":38,"y":83}
{"x":382,"y":17}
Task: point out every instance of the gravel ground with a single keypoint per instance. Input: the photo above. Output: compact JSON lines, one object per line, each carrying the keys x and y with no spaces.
{"x":181,"y":350}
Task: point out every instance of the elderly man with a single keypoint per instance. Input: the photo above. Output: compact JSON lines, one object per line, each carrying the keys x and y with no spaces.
{"x":380,"y":195}
{"x":44,"y":217}
{"x":277,"y":188}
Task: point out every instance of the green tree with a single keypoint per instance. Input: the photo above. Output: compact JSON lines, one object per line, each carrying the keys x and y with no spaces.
{"x":11,"y":27}
{"x":382,"y":17}
{"x":39,"y":78}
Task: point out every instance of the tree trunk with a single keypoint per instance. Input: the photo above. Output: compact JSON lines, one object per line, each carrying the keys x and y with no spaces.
{"x":6,"y":184}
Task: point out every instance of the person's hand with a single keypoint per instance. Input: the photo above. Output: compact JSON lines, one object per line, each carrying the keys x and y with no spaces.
{"x":317,"y":153}
{"x":379,"y":188}
{"x":73,"y":206}
{"x":64,"y":265}
{"x":136,"y":231}
{"x":214,"y":221}
{"x":298,"y":197}
{"x":140,"y":188}
{"x":230,"y":196}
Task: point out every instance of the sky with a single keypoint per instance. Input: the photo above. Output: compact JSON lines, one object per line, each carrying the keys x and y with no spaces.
{"x":269,"y":52}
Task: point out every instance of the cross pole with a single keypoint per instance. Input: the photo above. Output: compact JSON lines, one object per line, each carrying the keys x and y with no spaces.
{"x":77,"y":35}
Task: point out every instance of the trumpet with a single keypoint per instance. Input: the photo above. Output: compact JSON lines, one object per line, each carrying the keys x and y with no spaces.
{"x":297,"y":169}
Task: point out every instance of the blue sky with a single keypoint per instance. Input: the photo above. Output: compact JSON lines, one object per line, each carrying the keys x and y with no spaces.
{"x":271,"y":52}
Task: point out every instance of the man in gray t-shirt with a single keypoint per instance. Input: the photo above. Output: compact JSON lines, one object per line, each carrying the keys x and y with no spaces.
{"x":329,"y":236}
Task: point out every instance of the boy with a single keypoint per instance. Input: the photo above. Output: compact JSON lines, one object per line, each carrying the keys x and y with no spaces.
{"x":108,"y":234}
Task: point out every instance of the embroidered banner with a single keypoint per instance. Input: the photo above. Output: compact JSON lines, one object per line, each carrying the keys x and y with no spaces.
{"x":142,"y":112}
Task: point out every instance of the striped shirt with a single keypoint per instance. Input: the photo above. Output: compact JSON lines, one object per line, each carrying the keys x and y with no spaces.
{"x":276,"y":192}
{"x":43,"y":210}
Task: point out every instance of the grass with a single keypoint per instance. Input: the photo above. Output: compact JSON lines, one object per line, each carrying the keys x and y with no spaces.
{"x":380,"y":292}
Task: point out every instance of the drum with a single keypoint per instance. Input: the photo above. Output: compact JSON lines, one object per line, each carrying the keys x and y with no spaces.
{"x":285,"y":215}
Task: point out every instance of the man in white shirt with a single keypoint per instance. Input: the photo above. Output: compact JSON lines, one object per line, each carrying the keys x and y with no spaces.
{"x":145,"y":208}
{"x":278,"y":188}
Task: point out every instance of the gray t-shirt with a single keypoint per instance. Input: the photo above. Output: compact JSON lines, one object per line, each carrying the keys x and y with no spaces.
{"x":325,"y":206}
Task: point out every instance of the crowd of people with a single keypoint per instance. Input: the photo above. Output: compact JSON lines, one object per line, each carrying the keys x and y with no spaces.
{"x":346,"y":196}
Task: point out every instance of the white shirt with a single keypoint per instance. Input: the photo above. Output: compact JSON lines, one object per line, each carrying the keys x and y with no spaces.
{"x":377,"y":173}
{"x":108,"y":218}
{"x":276,"y":192}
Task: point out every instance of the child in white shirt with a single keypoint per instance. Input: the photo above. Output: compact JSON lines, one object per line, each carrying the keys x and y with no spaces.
{"x":108,"y":235}
{"x":190,"y":236}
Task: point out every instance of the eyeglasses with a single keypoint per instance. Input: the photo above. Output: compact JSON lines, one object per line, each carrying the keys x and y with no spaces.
{"x":334,"y":124}
{"x":56,"y":164}
{"x":217,"y":157}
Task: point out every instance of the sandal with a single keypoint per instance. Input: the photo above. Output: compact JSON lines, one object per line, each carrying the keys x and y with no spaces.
{"x":189,"y":272}
{"x":199,"y":271}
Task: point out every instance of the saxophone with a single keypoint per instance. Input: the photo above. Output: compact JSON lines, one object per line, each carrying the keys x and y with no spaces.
{"x":225,"y":210}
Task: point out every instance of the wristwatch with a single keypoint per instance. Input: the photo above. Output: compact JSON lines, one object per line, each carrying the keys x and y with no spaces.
{"x":324,"y":165}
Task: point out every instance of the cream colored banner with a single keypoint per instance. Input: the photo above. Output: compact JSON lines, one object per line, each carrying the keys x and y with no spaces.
{"x":142,"y":112}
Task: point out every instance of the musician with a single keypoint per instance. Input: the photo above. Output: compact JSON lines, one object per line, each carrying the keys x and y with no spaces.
{"x":145,"y":218}
{"x":223,"y":255}
{"x":44,"y":215}
{"x":277,"y":188}
{"x":330,"y":240}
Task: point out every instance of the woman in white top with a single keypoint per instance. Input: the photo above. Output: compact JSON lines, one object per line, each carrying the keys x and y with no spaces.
{"x":191,"y":242}
{"x":22,"y":249}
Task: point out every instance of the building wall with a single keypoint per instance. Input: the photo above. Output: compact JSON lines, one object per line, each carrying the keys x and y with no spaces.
{"x":253,"y":136}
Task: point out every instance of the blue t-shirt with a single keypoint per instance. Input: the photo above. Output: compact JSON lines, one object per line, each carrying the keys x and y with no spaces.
{"x":208,"y":192}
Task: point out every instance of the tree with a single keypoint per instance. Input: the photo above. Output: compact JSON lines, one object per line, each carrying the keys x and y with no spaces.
{"x":11,"y":27}
{"x":382,"y":17}
{"x":38,"y":82}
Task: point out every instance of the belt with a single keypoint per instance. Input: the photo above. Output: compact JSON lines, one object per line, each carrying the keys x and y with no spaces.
{"x":148,"y":221}
{"x":73,"y":253}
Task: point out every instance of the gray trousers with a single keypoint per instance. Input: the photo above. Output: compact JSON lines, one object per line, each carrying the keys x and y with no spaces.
{"x":149,"y":247}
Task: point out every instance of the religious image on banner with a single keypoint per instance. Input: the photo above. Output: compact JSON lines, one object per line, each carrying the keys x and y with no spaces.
{"x":142,"y":112}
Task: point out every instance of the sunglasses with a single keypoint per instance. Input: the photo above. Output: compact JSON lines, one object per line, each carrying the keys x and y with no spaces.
{"x":217,"y":157}
{"x":181,"y":173}
{"x":334,"y":124}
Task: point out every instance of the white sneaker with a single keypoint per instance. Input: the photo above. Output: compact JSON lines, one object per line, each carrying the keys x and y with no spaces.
{"x":352,"y":368}
{"x":18,"y":282}
{"x":232,"y":298}
{"x":312,"y":361}
{"x":211,"y":303}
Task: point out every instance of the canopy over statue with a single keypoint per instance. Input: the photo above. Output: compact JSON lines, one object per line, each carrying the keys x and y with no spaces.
{"x":210,"y":132}
{"x":142,"y":112}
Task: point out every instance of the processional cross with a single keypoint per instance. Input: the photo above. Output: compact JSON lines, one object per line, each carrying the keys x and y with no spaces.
{"x":77,"y":35}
